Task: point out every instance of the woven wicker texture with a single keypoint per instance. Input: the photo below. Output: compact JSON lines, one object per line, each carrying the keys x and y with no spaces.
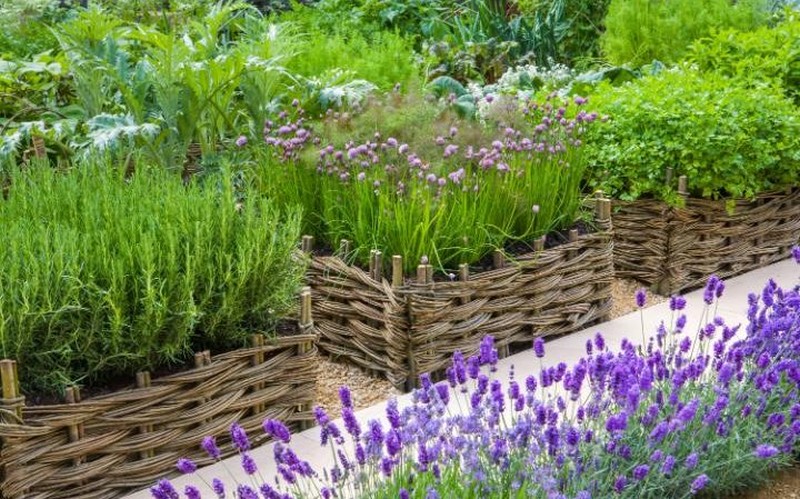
{"x":358,"y":318}
{"x":106,"y":446}
{"x":703,"y":238}
{"x":556,"y":291}
{"x":414,"y":328}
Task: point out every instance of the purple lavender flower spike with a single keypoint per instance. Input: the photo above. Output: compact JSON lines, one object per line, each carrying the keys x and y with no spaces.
{"x":246,"y":492}
{"x":764,"y":451}
{"x":699,"y":484}
{"x":239,"y":437}
{"x":248,"y":464}
{"x":538,"y":347}
{"x":218,"y":487}
{"x":691,"y":461}
{"x":345,"y":397}
{"x":709,"y":293}
{"x":641,"y":297}
{"x":191,"y":492}
{"x":210,"y":446}
{"x":277,"y":430}
{"x":796,"y":253}
{"x":186,"y":466}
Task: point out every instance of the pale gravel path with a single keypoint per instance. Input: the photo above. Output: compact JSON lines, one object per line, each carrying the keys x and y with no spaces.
{"x":370,"y":390}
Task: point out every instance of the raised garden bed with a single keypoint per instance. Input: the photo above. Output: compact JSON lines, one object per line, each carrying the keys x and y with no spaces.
{"x":105,"y":446}
{"x":673,"y":249}
{"x":400,"y":327}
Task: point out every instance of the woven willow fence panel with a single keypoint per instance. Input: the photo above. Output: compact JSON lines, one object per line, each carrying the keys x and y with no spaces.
{"x":555,"y":291}
{"x":403,"y":327}
{"x":106,"y":446}
{"x":674,"y":249}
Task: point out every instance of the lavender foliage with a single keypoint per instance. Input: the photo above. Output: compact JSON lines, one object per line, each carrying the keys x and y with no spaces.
{"x":702,"y":410}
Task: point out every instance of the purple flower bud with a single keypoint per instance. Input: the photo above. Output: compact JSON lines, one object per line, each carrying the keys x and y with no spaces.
{"x":210,"y":446}
{"x":241,"y":141}
{"x":764,"y":451}
{"x":620,"y":483}
{"x":668,"y":465}
{"x":641,"y":297}
{"x":796,"y":253}
{"x":246,"y":492}
{"x":191,"y":492}
{"x":239,"y":437}
{"x":538,"y":347}
{"x":164,"y":490}
{"x":691,"y":461}
{"x":248,"y":464}
{"x":186,"y":466}
{"x":641,"y":471}
{"x":218,"y":487}
{"x":699,"y":484}
{"x":345,"y":398}
{"x":278,"y":430}
{"x":710,"y":290}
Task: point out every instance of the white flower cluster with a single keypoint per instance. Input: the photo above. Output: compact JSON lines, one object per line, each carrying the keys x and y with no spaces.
{"x":518,"y":83}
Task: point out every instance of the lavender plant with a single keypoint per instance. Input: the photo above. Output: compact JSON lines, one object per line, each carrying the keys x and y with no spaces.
{"x":381,"y":193}
{"x":708,"y":409}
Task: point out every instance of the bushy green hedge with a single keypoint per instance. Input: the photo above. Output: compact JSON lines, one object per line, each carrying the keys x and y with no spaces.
{"x":769,"y":55}
{"x":730,"y":141}
{"x":101,"y":276}
{"x":640,"y":31}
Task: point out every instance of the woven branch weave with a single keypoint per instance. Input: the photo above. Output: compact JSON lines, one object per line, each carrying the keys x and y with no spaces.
{"x":114,"y":455}
{"x":676,"y":249}
{"x":416,"y":328}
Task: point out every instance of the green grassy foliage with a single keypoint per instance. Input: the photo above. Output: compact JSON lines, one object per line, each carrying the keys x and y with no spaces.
{"x":102,"y":275}
{"x":640,"y":31}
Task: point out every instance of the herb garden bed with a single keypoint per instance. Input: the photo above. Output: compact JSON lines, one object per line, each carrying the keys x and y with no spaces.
{"x":673,"y":249}
{"x":105,"y":446}
{"x":402,"y":327}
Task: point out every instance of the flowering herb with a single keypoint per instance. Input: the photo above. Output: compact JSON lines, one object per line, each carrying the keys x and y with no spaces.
{"x":450,"y":197}
{"x":655,"y":422}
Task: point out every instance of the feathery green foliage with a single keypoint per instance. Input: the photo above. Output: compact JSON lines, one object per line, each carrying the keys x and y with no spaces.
{"x":103,"y":275}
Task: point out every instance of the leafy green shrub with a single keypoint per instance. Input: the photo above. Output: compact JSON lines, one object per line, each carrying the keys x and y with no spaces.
{"x":103,"y":275}
{"x":26,"y":30}
{"x":581,"y":41}
{"x":383,"y":58}
{"x":640,"y":31}
{"x":728,"y":140}
{"x":768,"y":55}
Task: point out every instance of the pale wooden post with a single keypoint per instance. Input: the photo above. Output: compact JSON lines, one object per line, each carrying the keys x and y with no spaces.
{"x":306,"y":323}
{"x":397,"y":271}
{"x":307,"y":244}
{"x":498,"y":259}
{"x":143,"y":381}
{"x":75,"y":431}
{"x":10,"y":380}
{"x":257,"y":342}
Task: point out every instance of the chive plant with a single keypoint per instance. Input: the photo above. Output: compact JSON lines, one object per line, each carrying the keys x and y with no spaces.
{"x":454,"y":207}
